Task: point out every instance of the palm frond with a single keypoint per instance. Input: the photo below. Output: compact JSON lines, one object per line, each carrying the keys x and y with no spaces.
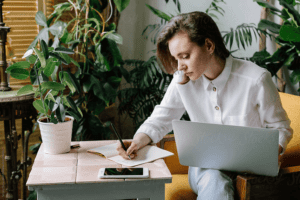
{"x":214,"y":7}
{"x":243,"y":35}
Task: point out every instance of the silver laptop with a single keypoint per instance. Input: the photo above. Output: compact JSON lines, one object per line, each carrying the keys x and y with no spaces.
{"x":226,"y":147}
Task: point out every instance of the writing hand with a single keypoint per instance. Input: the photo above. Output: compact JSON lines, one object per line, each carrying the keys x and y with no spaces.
{"x":131,"y":147}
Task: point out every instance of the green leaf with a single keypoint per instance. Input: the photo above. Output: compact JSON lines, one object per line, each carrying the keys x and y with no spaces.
{"x":65,"y":57}
{"x":241,"y":39}
{"x":74,"y":114}
{"x":66,"y":103}
{"x":114,"y":79}
{"x":27,"y":89}
{"x":125,"y":73}
{"x":50,"y":96}
{"x":115,"y":37}
{"x":64,"y":50}
{"x":291,"y":10}
{"x":237,"y":39}
{"x":53,"y":86}
{"x":290,"y":59}
{"x":56,"y":42}
{"x":54,"y":74}
{"x":231,"y":37}
{"x":67,"y":37}
{"x":110,"y":92}
{"x":53,"y":119}
{"x":28,"y":53}
{"x":295,"y":76}
{"x":259,"y":56}
{"x":290,"y":33}
{"x":20,"y":65}
{"x":43,"y":35}
{"x":60,"y":113}
{"x":41,"y":19}
{"x":44,"y":49}
{"x":291,"y":16}
{"x":75,"y":63}
{"x":271,"y":26}
{"x":159,"y":13}
{"x":68,"y":81}
{"x":31,"y":59}
{"x":99,"y":91}
{"x":74,"y":81}
{"x":55,"y":55}
{"x":58,"y":28}
{"x":41,"y":57}
{"x":50,"y":67}
{"x":121,"y":4}
{"x":19,"y":73}
{"x":89,"y":82}
{"x":72,"y":103}
{"x":110,"y":48}
{"x":267,"y":5}
{"x":38,"y":104}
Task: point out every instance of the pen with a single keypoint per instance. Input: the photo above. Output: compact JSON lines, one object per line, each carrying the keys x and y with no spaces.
{"x":119,"y":138}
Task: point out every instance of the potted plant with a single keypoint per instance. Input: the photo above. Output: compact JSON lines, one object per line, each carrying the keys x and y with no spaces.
{"x":94,"y":40}
{"x":49,"y":82}
{"x":287,"y":36}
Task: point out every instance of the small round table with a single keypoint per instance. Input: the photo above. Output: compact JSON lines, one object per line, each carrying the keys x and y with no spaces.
{"x":14,"y":107}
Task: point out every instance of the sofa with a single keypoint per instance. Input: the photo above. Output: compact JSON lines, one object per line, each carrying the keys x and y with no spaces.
{"x":285,"y":186}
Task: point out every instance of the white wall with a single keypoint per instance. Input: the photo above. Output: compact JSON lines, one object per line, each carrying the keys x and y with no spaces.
{"x":137,"y":16}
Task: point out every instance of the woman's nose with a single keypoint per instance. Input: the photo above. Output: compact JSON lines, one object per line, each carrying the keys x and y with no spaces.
{"x":181,"y":66}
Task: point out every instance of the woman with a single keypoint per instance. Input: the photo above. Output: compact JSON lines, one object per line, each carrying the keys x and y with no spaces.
{"x":212,"y":87}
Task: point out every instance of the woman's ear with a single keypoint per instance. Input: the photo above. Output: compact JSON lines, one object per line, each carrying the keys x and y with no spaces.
{"x":210,"y":45}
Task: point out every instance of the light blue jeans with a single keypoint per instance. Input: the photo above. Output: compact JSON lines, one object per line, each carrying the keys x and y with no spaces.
{"x":210,"y":184}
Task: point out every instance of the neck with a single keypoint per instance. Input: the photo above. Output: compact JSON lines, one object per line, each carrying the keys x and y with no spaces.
{"x":215,"y":69}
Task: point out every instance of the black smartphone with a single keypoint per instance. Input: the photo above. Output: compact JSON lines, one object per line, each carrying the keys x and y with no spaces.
{"x":123,"y":173}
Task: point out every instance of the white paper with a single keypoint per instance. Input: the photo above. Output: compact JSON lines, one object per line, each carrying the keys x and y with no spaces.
{"x":144,"y":155}
{"x":107,"y":150}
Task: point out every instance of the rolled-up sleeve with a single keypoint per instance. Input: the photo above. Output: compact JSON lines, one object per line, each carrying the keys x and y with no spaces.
{"x":160,"y":122}
{"x":272,"y":114}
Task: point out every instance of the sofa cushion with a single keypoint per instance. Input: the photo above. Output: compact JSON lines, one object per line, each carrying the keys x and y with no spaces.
{"x":291,"y":104}
{"x":173,"y":161}
{"x":179,"y":189}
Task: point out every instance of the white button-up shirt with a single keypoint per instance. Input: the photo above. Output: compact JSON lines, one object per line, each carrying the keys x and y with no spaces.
{"x":243,"y":95}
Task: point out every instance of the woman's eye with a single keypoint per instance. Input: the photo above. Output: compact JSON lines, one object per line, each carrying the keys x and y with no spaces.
{"x":185,"y":57}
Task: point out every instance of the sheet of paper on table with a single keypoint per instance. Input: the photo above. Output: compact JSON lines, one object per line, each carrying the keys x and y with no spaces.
{"x":146,"y":154}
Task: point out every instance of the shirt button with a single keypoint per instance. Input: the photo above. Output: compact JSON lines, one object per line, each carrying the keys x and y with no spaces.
{"x":217,"y":108}
{"x":214,"y":89}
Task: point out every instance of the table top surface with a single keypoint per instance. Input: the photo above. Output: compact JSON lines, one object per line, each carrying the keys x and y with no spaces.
{"x":9,"y":96}
{"x":79,"y":167}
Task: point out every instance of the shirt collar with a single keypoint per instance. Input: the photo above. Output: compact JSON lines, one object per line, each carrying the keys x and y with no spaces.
{"x":221,"y":80}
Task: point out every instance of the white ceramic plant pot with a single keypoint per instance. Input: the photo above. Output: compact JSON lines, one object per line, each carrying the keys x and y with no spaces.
{"x":56,"y":137}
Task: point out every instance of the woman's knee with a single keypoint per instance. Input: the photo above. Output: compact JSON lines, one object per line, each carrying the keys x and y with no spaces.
{"x":215,"y":177}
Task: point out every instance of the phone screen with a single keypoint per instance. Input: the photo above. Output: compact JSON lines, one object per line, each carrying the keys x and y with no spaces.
{"x":123,"y":171}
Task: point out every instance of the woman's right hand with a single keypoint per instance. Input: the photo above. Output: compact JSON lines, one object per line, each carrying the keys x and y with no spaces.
{"x":131,"y":147}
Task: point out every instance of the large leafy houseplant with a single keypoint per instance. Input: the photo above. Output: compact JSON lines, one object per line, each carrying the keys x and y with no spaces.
{"x":96,"y":64}
{"x":42,"y":68}
{"x":51,"y":102}
{"x":94,"y":41}
{"x":287,"y":36}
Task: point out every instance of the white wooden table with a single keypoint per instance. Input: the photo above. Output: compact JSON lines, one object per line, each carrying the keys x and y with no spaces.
{"x":73,"y":176}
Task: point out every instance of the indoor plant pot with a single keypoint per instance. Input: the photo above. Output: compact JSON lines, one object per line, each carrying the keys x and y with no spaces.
{"x":56,"y":137}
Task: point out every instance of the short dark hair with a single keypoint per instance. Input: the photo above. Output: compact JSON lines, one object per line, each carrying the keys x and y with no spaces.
{"x":198,"y":26}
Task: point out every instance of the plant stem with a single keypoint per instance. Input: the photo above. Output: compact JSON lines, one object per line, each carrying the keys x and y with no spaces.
{"x":76,"y":23}
{"x":62,"y":91}
{"x":41,"y":95}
